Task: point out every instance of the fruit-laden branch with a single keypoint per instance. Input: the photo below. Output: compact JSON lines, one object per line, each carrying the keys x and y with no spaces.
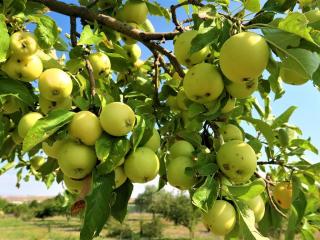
{"x":126,"y":29}
{"x":174,"y":8}
{"x":73,"y":31}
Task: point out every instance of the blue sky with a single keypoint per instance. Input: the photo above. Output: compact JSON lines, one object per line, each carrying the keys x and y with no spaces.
{"x":307,"y":116}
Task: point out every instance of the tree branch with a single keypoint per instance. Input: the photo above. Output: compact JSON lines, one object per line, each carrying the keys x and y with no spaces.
{"x":91,"y":78}
{"x":124,"y":28}
{"x":73,"y":31}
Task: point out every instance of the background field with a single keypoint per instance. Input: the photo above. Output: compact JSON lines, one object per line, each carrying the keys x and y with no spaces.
{"x":60,"y":228}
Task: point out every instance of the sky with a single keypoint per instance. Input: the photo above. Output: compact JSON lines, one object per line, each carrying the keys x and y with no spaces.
{"x":307,"y":116}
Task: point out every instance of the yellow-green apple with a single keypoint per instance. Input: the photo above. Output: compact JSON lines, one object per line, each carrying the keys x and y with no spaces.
{"x":182,"y":47}
{"x":76,"y":160}
{"x":244,"y":56}
{"x":86,"y":127}
{"x":119,"y":176}
{"x":181,"y":148}
{"x":117,"y":119}
{"x":257,"y":205}
{"x":101,"y":65}
{"x":53,"y":150}
{"x":220,"y":218}
{"x":176,"y":172}
{"x":134,"y":11}
{"x":27,"y":122}
{"x":55,"y":84}
{"x":24,"y":69}
{"x":142,"y":165}
{"x":154,"y":141}
{"x":11,"y":105}
{"x":36,"y":162}
{"x":282,"y":194}
{"x":242,"y":90}
{"x":237,"y":160}
{"x":231,"y":132}
{"x":203,"y":83}
{"x":23,"y":44}
{"x":47,"y":105}
{"x":73,"y":185}
{"x":133,"y":52}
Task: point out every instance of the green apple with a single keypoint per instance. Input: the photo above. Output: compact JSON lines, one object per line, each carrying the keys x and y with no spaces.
{"x":242,"y":90}
{"x":23,"y":44}
{"x":119,"y":176}
{"x":182,"y":47}
{"x":73,"y":185}
{"x":176,"y":172}
{"x":154,"y":141}
{"x":27,"y":122}
{"x":257,"y":205}
{"x":181,"y":148}
{"x":231,"y":132}
{"x":282,"y":194}
{"x":36,"y":162}
{"x":237,"y":160}
{"x":182,"y":100}
{"x":147,"y":26}
{"x":142,"y":165}
{"x":129,"y":40}
{"x":117,"y":119}
{"x":11,"y":105}
{"x":47,"y":105}
{"x":86,"y":127}
{"x":24,"y":69}
{"x":53,"y":150}
{"x":230,"y":105}
{"x":244,"y":56}
{"x":55,"y":84}
{"x":76,"y":160}
{"x":101,"y":65}
{"x":133,"y":52}
{"x":292,"y":74}
{"x":134,"y":11}
{"x":203,"y":83}
{"x":220,"y":218}
{"x":313,"y":15}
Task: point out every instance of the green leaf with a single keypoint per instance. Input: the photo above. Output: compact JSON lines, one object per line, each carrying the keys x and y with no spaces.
{"x":205,"y":196}
{"x":283,"y":39}
{"x":297,"y":23}
{"x":46,"y":31}
{"x":98,"y":206}
{"x":204,"y":39}
{"x":248,"y":191}
{"x":262,"y":127}
{"x":103,"y":147}
{"x":123,"y":194}
{"x":157,"y":10}
{"x":305,"y":60}
{"x":48,"y":167}
{"x":283,"y":118}
{"x":274,"y":80}
{"x":138,"y":131}
{"x":14,"y":6}
{"x":252,"y":5}
{"x":4,"y":40}
{"x":305,"y":144}
{"x":247,"y":223}
{"x":88,"y":37}
{"x":279,"y":6}
{"x":17,"y":88}
{"x":45,"y":127}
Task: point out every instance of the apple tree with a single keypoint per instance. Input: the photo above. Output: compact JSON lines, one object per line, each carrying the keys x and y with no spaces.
{"x":84,"y":108}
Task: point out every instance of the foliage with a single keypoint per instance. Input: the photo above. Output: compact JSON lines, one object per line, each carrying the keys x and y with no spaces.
{"x":153,"y":95}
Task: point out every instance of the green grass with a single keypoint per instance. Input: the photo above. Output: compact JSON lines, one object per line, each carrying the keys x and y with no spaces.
{"x":59,"y":228}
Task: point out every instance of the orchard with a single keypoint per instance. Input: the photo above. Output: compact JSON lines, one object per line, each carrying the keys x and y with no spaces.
{"x":83,"y":109}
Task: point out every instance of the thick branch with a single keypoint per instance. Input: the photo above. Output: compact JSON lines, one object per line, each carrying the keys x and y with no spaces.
{"x":73,"y":31}
{"x":85,"y":13}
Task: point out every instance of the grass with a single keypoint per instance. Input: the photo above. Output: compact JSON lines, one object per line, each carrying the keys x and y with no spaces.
{"x":60,"y":228}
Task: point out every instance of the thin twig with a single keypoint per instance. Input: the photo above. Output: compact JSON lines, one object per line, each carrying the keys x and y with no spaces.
{"x":174,"y":8}
{"x":273,"y":203}
{"x":73,"y":31}
{"x":273,"y":162}
{"x":156,"y":83}
{"x":91,"y":78}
